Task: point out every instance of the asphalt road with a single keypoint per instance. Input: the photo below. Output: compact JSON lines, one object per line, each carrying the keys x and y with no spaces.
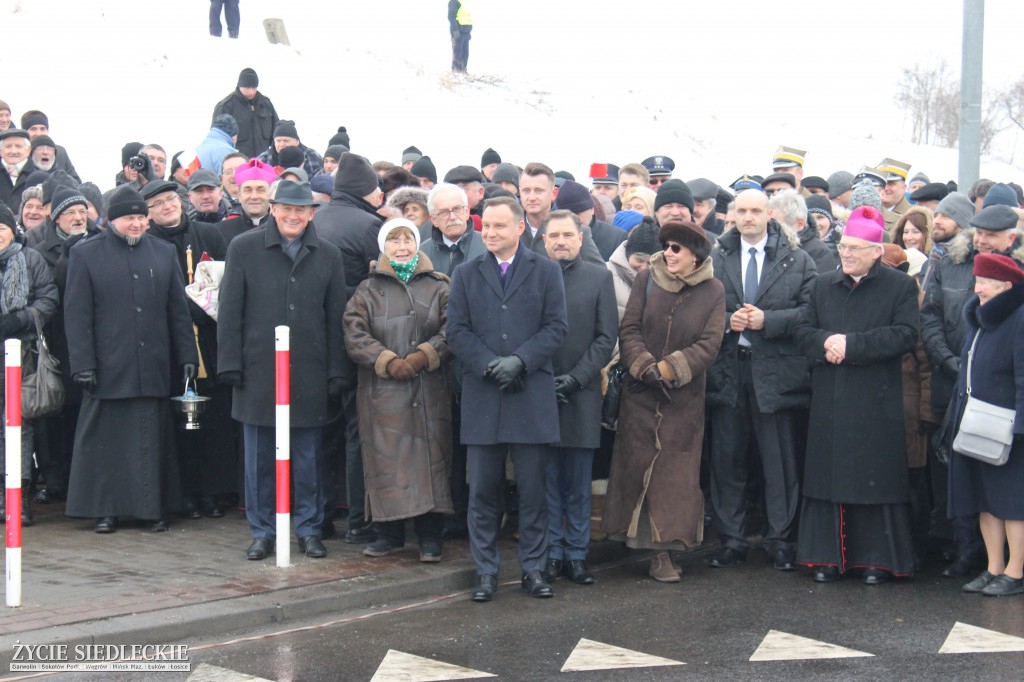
{"x":713,"y":621}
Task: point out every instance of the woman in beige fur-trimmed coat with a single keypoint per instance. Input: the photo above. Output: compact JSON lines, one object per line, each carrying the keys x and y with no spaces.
{"x":669,"y":336}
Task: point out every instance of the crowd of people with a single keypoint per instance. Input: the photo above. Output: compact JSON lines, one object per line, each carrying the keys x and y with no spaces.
{"x":783,"y":357}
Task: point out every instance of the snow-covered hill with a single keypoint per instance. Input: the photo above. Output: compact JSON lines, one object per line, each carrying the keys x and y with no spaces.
{"x":563,"y":83}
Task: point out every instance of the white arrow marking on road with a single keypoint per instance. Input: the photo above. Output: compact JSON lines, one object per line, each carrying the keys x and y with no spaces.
{"x":969,"y":639}
{"x":591,"y":655}
{"x":399,"y":666}
{"x":782,"y":646}
{"x":211,"y":673}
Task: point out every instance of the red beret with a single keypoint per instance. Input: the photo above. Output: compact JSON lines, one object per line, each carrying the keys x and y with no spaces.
{"x":998,"y":267}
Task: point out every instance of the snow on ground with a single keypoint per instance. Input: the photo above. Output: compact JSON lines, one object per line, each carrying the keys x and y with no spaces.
{"x":562,"y":83}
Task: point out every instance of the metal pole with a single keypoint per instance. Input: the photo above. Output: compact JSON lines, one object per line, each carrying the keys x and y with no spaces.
{"x":12,"y":470}
{"x":970,"y":94}
{"x":283,"y":443}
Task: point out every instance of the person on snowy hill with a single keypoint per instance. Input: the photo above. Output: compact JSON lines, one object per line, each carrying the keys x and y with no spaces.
{"x":460,"y":23}
{"x":286,"y":135}
{"x":231,"y":15}
{"x":254,"y":113}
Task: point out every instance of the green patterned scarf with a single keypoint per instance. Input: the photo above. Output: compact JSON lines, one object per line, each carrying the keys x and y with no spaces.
{"x":405,"y":270}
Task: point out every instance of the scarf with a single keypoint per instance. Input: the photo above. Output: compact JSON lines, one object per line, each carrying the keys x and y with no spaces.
{"x":405,"y":270}
{"x":14,"y":290}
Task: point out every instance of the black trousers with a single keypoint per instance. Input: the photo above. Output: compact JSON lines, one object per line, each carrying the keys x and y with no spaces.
{"x":354,"y":484}
{"x":486,"y":487}
{"x":460,"y":48}
{"x":733,"y":429}
{"x":428,"y":528}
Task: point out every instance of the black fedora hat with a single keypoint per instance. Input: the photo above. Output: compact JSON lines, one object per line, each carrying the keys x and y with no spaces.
{"x":294,"y":194}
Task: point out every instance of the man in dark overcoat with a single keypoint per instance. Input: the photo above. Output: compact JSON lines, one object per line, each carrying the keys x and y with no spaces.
{"x":283,"y":274}
{"x":506,"y":320}
{"x":758,"y":379}
{"x":207,"y":456}
{"x":861,"y":321}
{"x":593,"y":331}
{"x":253,"y":111}
{"x":127,"y":325}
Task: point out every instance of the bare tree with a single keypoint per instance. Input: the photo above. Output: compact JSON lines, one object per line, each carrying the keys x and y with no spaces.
{"x":1013,"y":103}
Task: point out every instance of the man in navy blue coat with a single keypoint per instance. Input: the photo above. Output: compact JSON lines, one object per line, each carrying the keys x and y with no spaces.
{"x":506,"y":319}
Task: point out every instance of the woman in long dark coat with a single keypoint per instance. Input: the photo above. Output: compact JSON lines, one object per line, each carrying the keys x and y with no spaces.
{"x":26,"y":289}
{"x":996,"y":494}
{"x":862,"y":320}
{"x":395,"y":331}
{"x":669,"y":336}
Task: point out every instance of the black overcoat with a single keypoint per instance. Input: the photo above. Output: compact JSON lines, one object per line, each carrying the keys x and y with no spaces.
{"x":856,"y":446}
{"x":593,"y":333}
{"x":781,"y":372}
{"x":352,"y":225}
{"x":263,"y":288}
{"x":126,"y":317}
{"x":528,"y":319}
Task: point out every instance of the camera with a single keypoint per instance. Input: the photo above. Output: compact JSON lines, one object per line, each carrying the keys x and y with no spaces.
{"x":138,"y":163}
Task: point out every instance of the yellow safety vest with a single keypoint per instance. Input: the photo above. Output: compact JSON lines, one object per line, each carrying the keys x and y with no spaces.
{"x":464,"y":17}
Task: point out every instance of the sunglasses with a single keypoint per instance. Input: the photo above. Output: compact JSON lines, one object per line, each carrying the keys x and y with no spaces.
{"x":674,"y":248}
{"x":658,"y":180}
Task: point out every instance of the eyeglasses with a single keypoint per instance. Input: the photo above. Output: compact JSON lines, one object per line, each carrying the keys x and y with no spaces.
{"x":674,"y":248}
{"x":159,"y":203}
{"x":770,"y":192}
{"x":843,"y":248}
{"x":658,"y":180}
{"x":445,"y":214}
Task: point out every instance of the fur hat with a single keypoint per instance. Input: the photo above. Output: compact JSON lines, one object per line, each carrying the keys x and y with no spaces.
{"x":998,"y":267}
{"x":690,"y":235}
{"x":406,"y":195}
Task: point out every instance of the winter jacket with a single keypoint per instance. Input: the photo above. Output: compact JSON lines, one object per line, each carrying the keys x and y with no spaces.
{"x":781,"y":373}
{"x":212,"y":150}
{"x":470,"y":245}
{"x":606,"y":237}
{"x":10,"y":193}
{"x":404,"y":426}
{"x":256,"y":121}
{"x":825,"y":257}
{"x":351,"y":224}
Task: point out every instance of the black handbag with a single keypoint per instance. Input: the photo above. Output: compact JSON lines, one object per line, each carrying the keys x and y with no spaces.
{"x":610,"y":405}
{"x":42,"y":388}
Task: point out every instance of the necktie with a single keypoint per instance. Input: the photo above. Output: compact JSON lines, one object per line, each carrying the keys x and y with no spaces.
{"x":503,"y":267}
{"x":750,"y":280}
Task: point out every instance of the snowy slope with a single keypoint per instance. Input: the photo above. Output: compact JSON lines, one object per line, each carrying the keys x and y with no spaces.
{"x":554,"y":83}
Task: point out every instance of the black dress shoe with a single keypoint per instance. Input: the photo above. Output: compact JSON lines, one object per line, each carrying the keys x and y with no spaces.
{"x":826,"y":574}
{"x":730,"y":556}
{"x":962,"y":566}
{"x":782,"y":560}
{"x":108,"y":524}
{"x":534,"y":583}
{"x":486,"y":586}
{"x":552,"y":569}
{"x":430,"y":551}
{"x":211,"y":507}
{"x":47,"y":495}
{"x":381,"y":547}
{"x":159,"y":526}
{"x":1003,"y":586}
{"x":876,"y":576}
{"x":313,"y":547}
{"x":190,"y":510}
{"x":979,"y":583}
{"x":259,"y":549}
{"x":578,"y":573}
{"x":360,"y":536}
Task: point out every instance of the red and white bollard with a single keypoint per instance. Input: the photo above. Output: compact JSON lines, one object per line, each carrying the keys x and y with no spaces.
{"x":282,"y":424}
{"x":12,"y":440}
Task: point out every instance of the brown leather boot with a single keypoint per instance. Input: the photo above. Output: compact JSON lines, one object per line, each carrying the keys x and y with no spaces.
{"x":662,"y":569}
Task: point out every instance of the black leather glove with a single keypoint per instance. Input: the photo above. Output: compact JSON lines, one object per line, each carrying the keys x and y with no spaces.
{"x":514,"y":386}
{"x":505,"y":370}
{"x":232,"y":378}
{"x":86,"y":380}
{"x":565,"y":386}
{"x":189,"y":370}
{"x":335,"y":386}
{"x":653,"y":379}
{"x":951,"y":366}
{"x":10,"y":325}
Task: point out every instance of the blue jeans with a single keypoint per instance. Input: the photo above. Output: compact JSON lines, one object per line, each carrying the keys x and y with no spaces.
{"x":231,"y":16}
